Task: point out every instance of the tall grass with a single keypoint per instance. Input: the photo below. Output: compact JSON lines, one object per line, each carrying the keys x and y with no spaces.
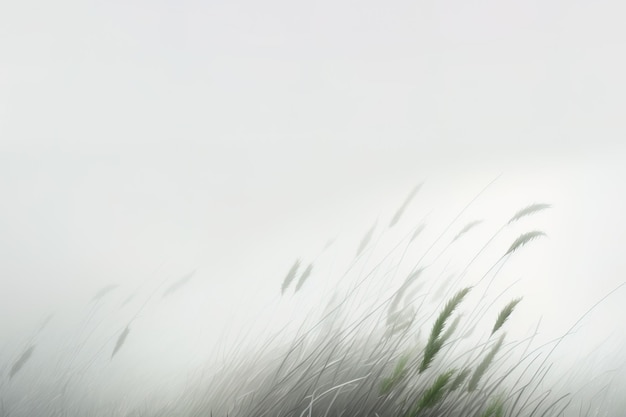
{"x":407,"y":352}
{"x":374,"y":364}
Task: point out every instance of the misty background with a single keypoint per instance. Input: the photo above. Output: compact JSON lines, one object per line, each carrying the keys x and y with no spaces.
{"x":140,"y":141}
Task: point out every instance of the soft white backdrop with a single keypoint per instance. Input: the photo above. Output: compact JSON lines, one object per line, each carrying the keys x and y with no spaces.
{"x":141,"y":140}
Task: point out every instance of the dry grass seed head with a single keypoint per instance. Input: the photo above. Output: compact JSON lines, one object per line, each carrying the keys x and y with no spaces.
{"x":527,"y":211}
{"x":366,"y":239}
{"x":290,"y":276}
{"x":304,"y":276}
{"x":120,"y":341}
{"x":404,"y":205}
{"x":523,"y":240}
{"x":21,"y":361}
{"x":467,"y":228}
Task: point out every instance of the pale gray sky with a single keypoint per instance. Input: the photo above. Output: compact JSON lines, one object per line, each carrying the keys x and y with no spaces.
{"x":235,"y":136}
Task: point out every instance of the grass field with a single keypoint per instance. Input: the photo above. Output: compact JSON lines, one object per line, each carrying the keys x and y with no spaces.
{"x":411,"y":327}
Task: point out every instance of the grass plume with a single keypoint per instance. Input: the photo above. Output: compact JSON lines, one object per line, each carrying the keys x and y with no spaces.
{"x":178,"y":284}
{"x":528,"y":210}
{"x":399,"y":372}
{"x":433,"y":395}
{"x":523,"y":240}
{"x":435,"y":341}
{"x":483,"y":365}
{"x":495,"y":408}
{"x":103,"y":291}
{"x":21,"y":361}
{"x":469,"y":226}
{"x":407,"y":201}
{"x":366,"y":239}
{"x":504,"y":314}
{"x":451,"y":329}
{"x":303,"y":277}
{"x":400,"y":293}
{"x":290,"y":276}
{"x":120,"y":341}
{"x":418,"y":231}
{"x":459,"y":379}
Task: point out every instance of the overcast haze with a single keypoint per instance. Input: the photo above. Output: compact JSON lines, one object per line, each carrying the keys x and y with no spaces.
{"x":144,"y":140}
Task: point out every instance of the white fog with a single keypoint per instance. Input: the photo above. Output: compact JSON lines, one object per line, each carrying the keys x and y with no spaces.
{"x":164,"y":164}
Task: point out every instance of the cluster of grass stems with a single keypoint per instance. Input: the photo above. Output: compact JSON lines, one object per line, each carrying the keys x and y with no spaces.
{"x":375,"y":363}
{"x":409,"y":353}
